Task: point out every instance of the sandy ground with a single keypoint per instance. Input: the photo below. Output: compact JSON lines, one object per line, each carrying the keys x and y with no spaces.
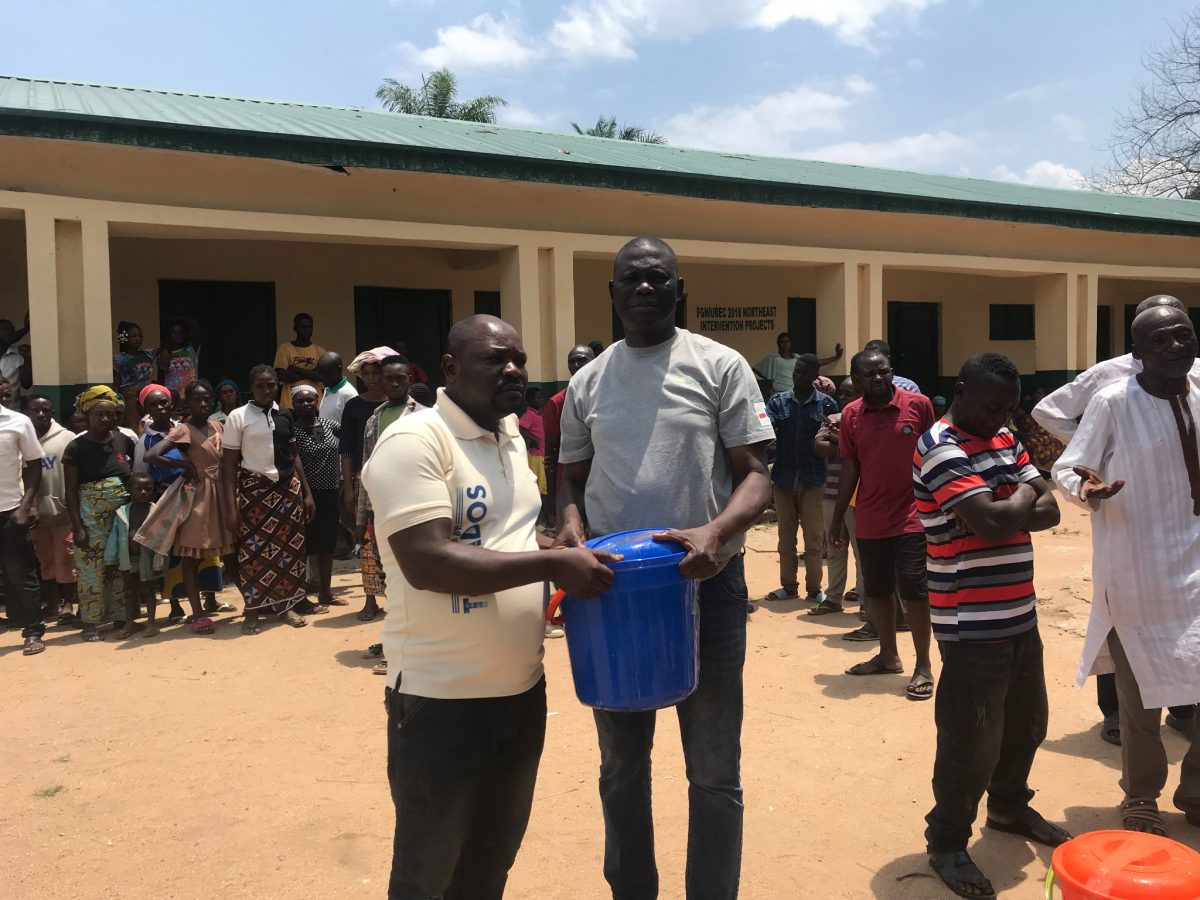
{"x":254,"y":767}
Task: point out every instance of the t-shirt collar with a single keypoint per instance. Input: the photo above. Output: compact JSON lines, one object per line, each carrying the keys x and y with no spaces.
{"x":337,"y":387}
{"x":463,"y":427}
{"x":894,"y":401}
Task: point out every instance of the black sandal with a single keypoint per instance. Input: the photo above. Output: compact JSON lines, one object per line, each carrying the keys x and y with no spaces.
{"x":1143,"y":816}
{"x":825,"y":607}
{"x":1033,"y":826}
{"x":959,"y":873}
{"x":1110,"y":729}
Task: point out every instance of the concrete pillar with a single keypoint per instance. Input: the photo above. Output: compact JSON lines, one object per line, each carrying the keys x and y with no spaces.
{"x":520,"y":303}
{"x":561,"y":311}
{"x":837,"y":313}
{"x":1087,"y":294}
{"x":1056,"y":348}
{"x":871,"y":320}
{"x":70,"y":301}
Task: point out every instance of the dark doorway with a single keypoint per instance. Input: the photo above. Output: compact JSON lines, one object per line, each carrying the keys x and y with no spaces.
{"x":802,"y":324}
{"x":234,"y":322}
{"x":420,"y":318}
{"x":1130,"y":312}
{"x":914,"y":334}
{"x":487,"y":303}
{"x":618,"y":329}
{"x":1103,"y":333}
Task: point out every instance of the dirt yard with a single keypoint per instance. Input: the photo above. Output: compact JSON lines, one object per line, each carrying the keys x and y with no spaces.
{"x":231,"y":766}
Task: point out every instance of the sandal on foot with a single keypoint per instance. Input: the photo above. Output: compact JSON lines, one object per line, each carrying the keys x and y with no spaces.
{"x":921,"y":685}
{"x":366,"y":615}
{"x":336,"y":601}
{"x":380,"y":669}
{"x":33,"y":646}
{"x":1142,"y":815}
{"x":1110,"y":729}
{"x":863,"y":635}
{"x":202,"y":625}
{"x":150,"y":631}
{"x":1032,"y":826}
{"x":292,"y":619}
{"x":960,"y":874}
{"x":177,"y":620}
{"x":128,"y":631}
{"x":825,"y":607}
{"x":874,"y":666}
{"x":219,"y":607}
{"x":373,"y":652}
{"x":852,"y":596}
{"x":92,"y":636}
{"x":250,"y":628}
{"x":782,"y":594}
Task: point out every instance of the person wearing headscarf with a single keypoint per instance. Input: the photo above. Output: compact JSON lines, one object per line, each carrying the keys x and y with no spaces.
{"x":228,"y":399}
{"x":97,"y":466}
{"x":354,"y":419}
{"x":317,"y":441}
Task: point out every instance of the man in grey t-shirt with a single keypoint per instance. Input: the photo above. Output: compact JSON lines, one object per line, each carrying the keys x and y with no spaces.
{"x":668,"y":429}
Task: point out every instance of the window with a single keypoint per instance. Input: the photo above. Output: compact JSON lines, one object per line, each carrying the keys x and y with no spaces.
{"x":1010,"y":322}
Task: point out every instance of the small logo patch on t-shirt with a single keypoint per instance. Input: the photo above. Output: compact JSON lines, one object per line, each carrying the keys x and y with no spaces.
{"x":760,"y":409}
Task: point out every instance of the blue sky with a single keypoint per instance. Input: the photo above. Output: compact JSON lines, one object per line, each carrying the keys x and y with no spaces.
{"x":1008,"y":89}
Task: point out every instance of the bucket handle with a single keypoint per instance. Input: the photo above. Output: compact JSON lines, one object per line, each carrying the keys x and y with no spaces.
{"x":552,"y":614}
{"x":1050,"y":883}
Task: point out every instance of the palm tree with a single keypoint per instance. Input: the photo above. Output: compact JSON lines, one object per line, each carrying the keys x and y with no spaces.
{"x":607,"y":127}
{"x":437,"y":97}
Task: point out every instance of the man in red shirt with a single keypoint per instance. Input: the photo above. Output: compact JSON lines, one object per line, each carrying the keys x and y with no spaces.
{"x":878,"y":436}
{"x":579,"y":356}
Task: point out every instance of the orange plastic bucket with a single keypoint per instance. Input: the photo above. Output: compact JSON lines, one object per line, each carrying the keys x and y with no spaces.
{"x":1124,"y":865}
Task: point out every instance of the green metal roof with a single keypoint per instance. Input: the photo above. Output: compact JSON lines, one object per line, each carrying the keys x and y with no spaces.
{"x":352,"y":137}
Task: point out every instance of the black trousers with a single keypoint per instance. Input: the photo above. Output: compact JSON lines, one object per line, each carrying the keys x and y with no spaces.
{"x":462,"y":774}
{"x":991,"y":714}
{"x":19,"y":576}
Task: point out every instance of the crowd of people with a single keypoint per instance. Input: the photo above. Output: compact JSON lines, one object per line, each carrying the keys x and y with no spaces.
{"x":467,"y":507}
{"x":162,"y":485}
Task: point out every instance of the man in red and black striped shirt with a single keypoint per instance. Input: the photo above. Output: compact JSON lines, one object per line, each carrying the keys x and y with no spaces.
{"x":979,"y":497}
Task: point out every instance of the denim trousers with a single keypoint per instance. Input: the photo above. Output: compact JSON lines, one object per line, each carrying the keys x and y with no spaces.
{"x":991,"y":714}
{"x":461,"y":774}
{"x":22,"y":587}
{"x":710,"y":725}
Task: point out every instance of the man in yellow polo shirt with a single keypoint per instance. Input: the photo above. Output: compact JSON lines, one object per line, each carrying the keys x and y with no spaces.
{"x":456,"y":510}
{"x":296,"y":361}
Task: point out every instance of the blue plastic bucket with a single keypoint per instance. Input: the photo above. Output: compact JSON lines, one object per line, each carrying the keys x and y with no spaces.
{"x":634,"y":647}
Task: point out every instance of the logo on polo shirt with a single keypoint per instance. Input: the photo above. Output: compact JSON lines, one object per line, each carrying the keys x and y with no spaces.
{"x":760,"y":410}
{"x":464,"y":605}
{"x":469,"y":512}
{"x":907,"y":431}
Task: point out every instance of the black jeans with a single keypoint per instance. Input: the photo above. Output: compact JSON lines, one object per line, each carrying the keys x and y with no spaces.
{"x":22,"y":587}
{"x":462,"y":774}
{"x":710,"y":724}
{"x":991,"y":713}
{"x":1106,"y":699}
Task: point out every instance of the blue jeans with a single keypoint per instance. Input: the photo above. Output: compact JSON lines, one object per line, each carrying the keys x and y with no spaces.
{"x":710,"y":724}
{"x":462,"y":774}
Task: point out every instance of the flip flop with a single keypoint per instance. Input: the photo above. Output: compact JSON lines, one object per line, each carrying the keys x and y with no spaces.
{"x":873,"y":666}
{"x":250,"y":628}
{"x":92,"y":637}
{"x":365,"y":616}
{"x":959,"y":873}
{"x":915,"y":689}
{"x":202,"y":625}
{"x":292,"y":619}
{"x":825,"y":607}
{"x":865,"y":634}
{"x":337,"y":601}
{"x":380,"y":669}
{"x":1034,"y":827}
{"x":781,"y":594}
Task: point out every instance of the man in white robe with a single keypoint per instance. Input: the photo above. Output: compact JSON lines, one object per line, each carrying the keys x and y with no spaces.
{"x":1135,"y":463}
{"x":1059,"y":413}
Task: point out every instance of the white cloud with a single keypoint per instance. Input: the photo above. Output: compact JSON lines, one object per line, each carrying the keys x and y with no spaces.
{"x":858,"y":85}
{"x":1038,"y":93}
{"x":522,"y":117}
{"x":925,"y":151}
{"x":608,"y":28}
{"x":766,"y":126}
{"x":483,"y":43}
{"x":1043,"y":173}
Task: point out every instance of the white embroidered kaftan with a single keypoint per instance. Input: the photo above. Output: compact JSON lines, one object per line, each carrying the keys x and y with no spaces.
{"x":1145,"y":540}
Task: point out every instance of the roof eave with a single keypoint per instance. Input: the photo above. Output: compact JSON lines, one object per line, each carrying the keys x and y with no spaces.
{"x":398,"y":157}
